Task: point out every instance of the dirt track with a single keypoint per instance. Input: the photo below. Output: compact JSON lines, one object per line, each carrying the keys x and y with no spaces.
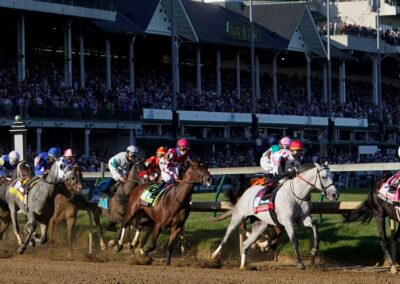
{"x":50,"y":265}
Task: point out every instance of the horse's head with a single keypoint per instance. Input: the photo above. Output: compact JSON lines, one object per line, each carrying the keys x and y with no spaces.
{"x":326,"y":184}
{"x":199,"y":173}
{"x":73,"y":181}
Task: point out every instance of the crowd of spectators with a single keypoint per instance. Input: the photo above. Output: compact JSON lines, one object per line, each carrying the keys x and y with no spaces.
{"x":44,"y":87}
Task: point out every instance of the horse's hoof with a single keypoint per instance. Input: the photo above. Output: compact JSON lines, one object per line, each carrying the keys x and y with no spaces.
{"x":32,"y":242}
{"x":301,"y":266}
{"x":111,"y":243}
{"x":103,"y":247}
{"x":139,"y":251}
{"x":21,"y":250}
{"x":118,"y":248}
{"x":393,"y":269}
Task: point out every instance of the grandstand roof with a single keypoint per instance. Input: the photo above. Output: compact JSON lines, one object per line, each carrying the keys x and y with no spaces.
{"x":293,"y":22}
{"x":125,"y":21}
{"x":210,"y":24}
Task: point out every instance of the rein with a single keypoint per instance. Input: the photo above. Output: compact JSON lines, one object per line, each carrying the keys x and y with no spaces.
{"x":323,"y":189}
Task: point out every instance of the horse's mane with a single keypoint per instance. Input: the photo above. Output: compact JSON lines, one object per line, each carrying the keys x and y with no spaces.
{"x":306,"y":167}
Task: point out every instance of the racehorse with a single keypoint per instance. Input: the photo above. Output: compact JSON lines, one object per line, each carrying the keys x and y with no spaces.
{"x":172,"y":208}
{"x":41,"y":199}
{"x":22,"y":171}
{"x":66,"y":206}
{"x":375,"y":207}
{"x":292,"y":203}
{"x":118,"y":200}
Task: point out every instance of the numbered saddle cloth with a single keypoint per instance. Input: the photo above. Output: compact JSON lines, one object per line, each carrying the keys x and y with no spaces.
{"x":260,"y":205}
{"x":147,"y":198}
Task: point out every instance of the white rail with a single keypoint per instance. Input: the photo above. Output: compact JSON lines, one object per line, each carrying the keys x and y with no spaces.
{"x":253,"y":170}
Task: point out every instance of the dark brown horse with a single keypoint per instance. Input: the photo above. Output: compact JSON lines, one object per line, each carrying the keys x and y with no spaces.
{"x":172,"y":208}
{"x":375,"y":207}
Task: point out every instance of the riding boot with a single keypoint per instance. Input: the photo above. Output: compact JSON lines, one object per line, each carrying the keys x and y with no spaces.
{"x":158,"y":190}
{"x":267,"y":191}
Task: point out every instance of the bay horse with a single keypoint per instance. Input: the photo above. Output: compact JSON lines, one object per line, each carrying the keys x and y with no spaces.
{"x":292,"y":203}
{"x":41,"y":199}
{"x":66,"y":206}
{"x":172,"y":208}
{"x":375,"y":207}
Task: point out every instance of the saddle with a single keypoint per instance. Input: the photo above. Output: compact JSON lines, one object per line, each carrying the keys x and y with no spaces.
{"x":147,"y":199}
{"x":20,"y":188}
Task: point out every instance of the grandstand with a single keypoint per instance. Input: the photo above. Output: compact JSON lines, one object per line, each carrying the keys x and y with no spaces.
{"x":98,"y":75}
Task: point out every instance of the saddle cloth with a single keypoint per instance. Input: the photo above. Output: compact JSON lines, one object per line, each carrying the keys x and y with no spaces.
{"x":19,"y":189}
{"x":262,"y":205}
{"x":146,"y":198}
{"x":390,"y":197}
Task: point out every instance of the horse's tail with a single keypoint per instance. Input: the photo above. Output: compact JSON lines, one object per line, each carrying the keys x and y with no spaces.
{"x":224,"y":216}
{"x":363,"y":213}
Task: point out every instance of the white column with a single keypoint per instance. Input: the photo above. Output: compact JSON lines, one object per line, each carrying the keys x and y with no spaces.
{"x":308,"y":76}
{"x":218,"y":73}
{"x":132,"y":65}
{"x":108,"y":64}
{"x":325,"y":82}
{"x":198,"y":69}
{"x":68,"y":55}
{"x":87,"y":141}
{"x":375,"y":79}
{"x":275,"y":77}
{"x":38,"y":140}
{"x":257,"y":76}
{"x":178,"y":85}
{"x":342,"y":82}
{"x":238,"y":75}
{"x":82,"y":59}
{"x":21,"y":47}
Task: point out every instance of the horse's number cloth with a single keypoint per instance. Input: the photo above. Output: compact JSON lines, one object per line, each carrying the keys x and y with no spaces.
{"x":261,"y":205}
{"x":146,"y":198}
{"x":18,"y":189}
{"x":103,"y":202}
{"x":392,"y":198}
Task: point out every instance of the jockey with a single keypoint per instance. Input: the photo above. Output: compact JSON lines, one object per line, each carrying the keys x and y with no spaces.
{"x":285,"y":142}
{"x":265,"y":161}
{"x":152,"y":163}
{"x":44,"y":160}
{"x":171,"y":163}
{"x":284,"y":163}
{"x":121,"y":163}
{"x":69,"y":158}
{"x":8,"y":163}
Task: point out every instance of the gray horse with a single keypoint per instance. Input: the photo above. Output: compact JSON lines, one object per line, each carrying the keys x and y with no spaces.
{"x":293,"y":204}
{"x":41,"y":199}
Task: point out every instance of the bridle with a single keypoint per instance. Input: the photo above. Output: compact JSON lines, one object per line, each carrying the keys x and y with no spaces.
{"x":313,"y":185}
{"x":201,"y":178}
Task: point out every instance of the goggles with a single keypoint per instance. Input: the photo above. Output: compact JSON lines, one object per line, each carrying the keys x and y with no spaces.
{"x":183,"y":149}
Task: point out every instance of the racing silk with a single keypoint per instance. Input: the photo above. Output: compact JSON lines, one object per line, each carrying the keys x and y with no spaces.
{"x":41,"y":163}
{"x":171,"y":163}
{"x":283,"y":162}
{"x":5,"y":166}
{"x":152,"y":164}
{"x":119,"y":166}
{"x":265,"y":161}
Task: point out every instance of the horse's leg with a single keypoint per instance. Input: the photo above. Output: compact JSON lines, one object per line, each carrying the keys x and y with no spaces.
{"x":235,"y":221}
{"x":394,"y":248}
{"x":172,"y":240}
{"x":293,"y":240}
{"x":96,"y":218}
{"x":43,"y":237}
{"x":32,"y":227}
{"x":314,"y":239}
{"x":4,"y":227}
{"x":130,"y":213}
{"x":13,"y":213}
{"x":156,"y":234}
{"x":257,"y":229}
{"x":380,"y":222}
{"x":71,"y":221}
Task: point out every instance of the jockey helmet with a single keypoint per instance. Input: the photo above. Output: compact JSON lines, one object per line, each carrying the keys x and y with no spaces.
{"x":285,"y":142}
{"x":275,"y":148}
{"x":132,"y":149}
{"x":54,"y":153}
{"x":13,"y":157}
{"x":69,"y":153}
{"x":297,"y":148}
{"x":183,"y":143}
{"x":161,"y":151}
